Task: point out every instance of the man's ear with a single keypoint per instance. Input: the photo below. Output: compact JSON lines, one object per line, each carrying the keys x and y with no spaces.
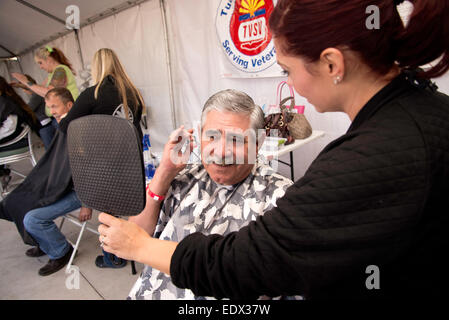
{"x":69,"y":105}
{"x":333,"y":62}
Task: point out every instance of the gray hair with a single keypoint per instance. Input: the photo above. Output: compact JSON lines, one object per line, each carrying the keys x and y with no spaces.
{"x":237,"y":102}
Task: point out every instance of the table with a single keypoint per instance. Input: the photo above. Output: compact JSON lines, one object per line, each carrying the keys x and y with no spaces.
{"x":272,"y":153}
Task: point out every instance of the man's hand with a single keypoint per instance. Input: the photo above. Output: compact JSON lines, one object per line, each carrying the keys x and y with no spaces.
{"x":85,"y":214}
{"x":173,"y":159}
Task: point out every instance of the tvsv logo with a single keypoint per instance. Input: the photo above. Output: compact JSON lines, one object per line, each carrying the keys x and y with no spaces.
{"x":242,"y":27}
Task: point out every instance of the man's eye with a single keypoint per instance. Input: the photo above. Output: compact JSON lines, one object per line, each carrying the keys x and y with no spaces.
{"x":285,"y":72}
{"x":236,"y":139}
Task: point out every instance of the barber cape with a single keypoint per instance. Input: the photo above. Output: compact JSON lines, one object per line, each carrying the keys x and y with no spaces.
{"x":195,"y":203}
{"x":49,"y":181}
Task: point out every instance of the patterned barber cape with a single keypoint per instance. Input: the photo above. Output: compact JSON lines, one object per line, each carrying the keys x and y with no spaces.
{"x":198,"y":204}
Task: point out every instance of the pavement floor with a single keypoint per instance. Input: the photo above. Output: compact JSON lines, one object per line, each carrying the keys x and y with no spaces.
{"x":19,"y":278}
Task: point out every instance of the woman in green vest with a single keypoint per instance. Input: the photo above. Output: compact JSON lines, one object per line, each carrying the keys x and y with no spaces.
{"x":60,"y":74}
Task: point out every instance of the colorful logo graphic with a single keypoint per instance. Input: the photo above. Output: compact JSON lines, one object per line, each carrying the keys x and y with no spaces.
{"x":242,"y":27}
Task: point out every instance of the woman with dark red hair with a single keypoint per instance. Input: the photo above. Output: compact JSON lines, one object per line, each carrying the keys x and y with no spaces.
{"x":369,"y":218}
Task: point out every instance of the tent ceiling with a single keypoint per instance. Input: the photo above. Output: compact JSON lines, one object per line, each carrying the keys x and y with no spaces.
{"x":25,"y":24}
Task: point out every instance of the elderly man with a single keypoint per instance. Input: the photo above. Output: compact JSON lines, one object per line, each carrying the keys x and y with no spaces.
{"x":223,"y":193}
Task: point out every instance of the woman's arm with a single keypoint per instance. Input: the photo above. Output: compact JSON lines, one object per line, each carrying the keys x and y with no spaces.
{"x":59,"y":79}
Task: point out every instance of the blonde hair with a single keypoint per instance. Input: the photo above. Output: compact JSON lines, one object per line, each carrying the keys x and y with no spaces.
{"x":57,"y":55}
{"x":106,"y":63}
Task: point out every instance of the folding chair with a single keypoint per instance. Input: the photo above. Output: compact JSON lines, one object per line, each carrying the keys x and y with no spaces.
{"x":72,"y":218}
{"x":21,"y":152}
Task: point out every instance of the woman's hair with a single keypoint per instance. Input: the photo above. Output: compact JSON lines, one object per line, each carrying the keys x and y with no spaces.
{"x":56,"y":54}
{"x":307,"y":27}
{"x":106,"y":63}
{"x":234,"y":101}
{"x":7,"y":91}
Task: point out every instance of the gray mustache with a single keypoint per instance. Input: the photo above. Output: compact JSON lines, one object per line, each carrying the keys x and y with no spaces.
{"x":219,"y":160}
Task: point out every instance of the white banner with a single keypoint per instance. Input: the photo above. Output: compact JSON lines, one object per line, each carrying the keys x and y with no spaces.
{"x":245,"y":41}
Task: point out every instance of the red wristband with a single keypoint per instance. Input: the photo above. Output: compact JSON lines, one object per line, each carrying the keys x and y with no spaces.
{"x":154,"y":196}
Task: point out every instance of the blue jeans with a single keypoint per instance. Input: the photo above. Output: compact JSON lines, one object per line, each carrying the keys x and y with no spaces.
{"x":39,"y":223}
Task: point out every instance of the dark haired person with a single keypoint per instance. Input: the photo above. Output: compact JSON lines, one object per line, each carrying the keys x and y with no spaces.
{"x":14,"y":115}
{"x":12,"y":107}
{"x":374,"y":202}
{"x":37,"y":104}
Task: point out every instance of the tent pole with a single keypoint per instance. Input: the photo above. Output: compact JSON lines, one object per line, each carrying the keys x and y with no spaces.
{"x":80,"y":52}
{"x":169,"y":66}
{"x":20,"y":66}
{"x":7,"y":70}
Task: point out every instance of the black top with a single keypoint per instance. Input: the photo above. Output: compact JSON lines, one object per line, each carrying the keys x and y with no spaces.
{"x":9,"y":107}
{"x":107,"y":102}
{"x":377,"y":196}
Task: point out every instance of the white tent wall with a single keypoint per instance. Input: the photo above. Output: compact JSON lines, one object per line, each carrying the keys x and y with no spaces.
{"x":137,"y":36}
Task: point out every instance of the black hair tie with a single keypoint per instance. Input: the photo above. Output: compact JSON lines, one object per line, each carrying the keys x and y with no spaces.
{"x":412,"y":75}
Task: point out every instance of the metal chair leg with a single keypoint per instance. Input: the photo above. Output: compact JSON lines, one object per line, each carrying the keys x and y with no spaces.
{"x":75,"y":248}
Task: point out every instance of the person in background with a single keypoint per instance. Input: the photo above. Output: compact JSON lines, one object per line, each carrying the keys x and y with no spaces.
{"x":50,"y":182}
{"x":14,"y":115}
{"x":39,"y":222}
{"x":60,"y":74}
{"x":37,"y":104}
{"x":113,"y":93}
{"x":368,"y":220}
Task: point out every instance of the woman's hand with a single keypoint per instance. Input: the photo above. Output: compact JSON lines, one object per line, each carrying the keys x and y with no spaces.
{"x":129,"y":241}
{"x":123,"y":238}
{"x":20,"y":77}
{"x":18,"y":85}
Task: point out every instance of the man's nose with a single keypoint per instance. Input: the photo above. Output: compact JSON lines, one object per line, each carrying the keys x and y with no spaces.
{"x":226,"y":148}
